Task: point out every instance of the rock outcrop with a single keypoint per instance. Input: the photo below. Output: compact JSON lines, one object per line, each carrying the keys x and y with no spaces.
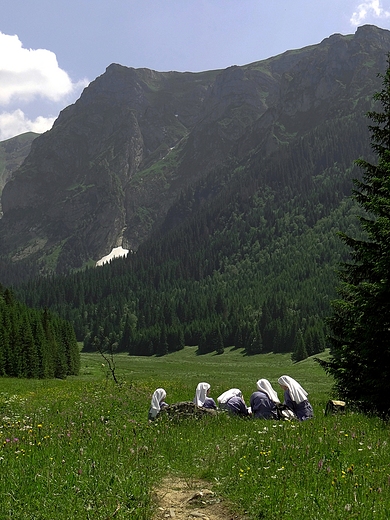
{"x":13,"y":151}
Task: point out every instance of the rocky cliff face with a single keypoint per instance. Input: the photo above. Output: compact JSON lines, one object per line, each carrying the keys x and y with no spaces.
{"x":115,"y":161}
{"x":12,"y":153}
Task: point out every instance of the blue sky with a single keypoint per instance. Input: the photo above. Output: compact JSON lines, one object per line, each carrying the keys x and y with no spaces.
{"x":51,"y":49}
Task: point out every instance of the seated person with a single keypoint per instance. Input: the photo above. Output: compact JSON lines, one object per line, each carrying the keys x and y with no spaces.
{"x":202,"y":398}
{"x":295,"y":398}
{"x":157,"y":403}
{"x":263,"y":401}
{"x":233,"y":401}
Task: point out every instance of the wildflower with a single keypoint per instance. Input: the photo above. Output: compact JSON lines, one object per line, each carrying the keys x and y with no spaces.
{"x":320,"y":463}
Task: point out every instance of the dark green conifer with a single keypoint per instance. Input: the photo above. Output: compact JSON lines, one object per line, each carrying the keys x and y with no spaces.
{"x":360,"y":323}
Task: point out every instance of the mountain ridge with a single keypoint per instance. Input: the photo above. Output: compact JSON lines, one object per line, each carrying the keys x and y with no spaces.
{"x":116,"y":162}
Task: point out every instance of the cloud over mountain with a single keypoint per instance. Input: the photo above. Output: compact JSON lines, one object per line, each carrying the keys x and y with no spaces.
{"x":371,"y":9}
{"x":27,"y":75}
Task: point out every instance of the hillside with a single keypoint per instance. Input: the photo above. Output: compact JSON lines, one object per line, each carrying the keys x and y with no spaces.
{"x":228,"y":186}
{"x":117,"y":163}
{"x":12,"y":153}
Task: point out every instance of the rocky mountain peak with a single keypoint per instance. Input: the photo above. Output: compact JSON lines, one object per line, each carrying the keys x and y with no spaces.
{"x":119,"y":158}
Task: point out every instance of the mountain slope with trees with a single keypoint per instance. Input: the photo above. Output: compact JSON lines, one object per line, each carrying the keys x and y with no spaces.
{"x":250,"y":270}
{"x":118,"y":161}
{"x":254,"y":191}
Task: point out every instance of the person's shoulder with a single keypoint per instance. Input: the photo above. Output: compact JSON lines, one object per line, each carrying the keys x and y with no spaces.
{"x":258,"y":393}
{"x":209,"y":403}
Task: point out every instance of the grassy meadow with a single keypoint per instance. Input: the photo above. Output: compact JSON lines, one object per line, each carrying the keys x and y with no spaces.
{"x":83,"y":448}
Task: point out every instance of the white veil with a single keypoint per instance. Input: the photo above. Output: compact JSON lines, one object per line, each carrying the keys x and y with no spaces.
{"x":298,"y":394}
{"x":265,"y":386}
{"x":201,"y":393}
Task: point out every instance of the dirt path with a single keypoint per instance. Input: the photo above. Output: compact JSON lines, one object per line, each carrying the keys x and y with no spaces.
{"x":184,"y":499}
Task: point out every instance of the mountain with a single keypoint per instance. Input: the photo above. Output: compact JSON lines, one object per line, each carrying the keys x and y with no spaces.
{"x":142,"y":151}
{"x":12,"y":153}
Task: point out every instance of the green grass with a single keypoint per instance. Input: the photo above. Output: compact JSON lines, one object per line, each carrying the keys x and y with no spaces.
{"x":83,"y":448}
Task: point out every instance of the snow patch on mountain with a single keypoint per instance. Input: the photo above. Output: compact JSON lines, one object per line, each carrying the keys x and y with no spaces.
{"x":115,"y":253}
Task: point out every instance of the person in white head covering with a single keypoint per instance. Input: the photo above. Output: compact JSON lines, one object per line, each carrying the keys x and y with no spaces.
{"x":202,"y":398}
{"x":157,"y":403}
{"x":263,"y":401}
{"x":233,"y":401}
{"x":295,"y":398}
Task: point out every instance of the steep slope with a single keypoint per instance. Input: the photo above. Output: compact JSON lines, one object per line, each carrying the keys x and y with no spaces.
{"x":117,"y":163}
{"x":12,"y":153}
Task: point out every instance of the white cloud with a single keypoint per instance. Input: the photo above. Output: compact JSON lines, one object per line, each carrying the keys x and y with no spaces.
{"x":26,"y":74}
{"x":366,"y":9}
{"x":16,"y":123}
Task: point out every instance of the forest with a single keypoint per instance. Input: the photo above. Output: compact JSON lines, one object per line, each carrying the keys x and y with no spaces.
{"x":256,"y":269}
{"x":35,"y":343}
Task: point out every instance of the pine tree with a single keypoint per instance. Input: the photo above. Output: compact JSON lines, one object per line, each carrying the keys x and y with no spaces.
{"x":360,"y":320}
{"x":299,"y":352}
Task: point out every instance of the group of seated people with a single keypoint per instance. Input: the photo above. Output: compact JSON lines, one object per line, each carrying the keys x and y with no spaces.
{"x":264,"y":402}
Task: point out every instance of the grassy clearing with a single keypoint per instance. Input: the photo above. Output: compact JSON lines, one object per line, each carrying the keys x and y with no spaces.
{"x":83,"y":447}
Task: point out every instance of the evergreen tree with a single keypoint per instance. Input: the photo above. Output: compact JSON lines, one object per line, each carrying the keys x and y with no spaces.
{"x":255,"y":342}
{"x":299,"y":352}
{"x":163,"y":347}
{"x":216,"y":341}
{"x":360,"y":320}
{"x":126,"y":340}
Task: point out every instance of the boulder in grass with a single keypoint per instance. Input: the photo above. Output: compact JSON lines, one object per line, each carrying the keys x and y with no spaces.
{"x":185,"y":409}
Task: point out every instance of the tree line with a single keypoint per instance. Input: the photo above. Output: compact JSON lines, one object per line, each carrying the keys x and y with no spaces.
{"x":35,"y":343}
